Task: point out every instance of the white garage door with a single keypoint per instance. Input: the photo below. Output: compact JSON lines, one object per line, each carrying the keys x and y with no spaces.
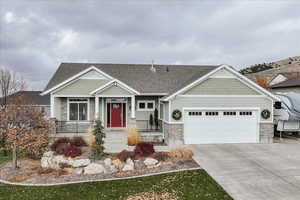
{"x":217,"y":126}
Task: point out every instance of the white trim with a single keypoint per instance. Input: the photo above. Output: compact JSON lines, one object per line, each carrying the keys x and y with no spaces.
{"x":115,"y":95}
{"x":102,"y":87}
{"x":132,"y":107}
{"x":71,"y":95}
{"x":68,"y":110}
{"x":146,"y":105}
{"x":52,"y":106}
{"x":83,"y":72}
{"x":222,"y":96}
{"x":242,"y":78}
{"x":153,"y":94}
{"x":96,"y":108}
{"x":102,"y":110}
{"x":169,"y":112}
{"x":159,"y":109}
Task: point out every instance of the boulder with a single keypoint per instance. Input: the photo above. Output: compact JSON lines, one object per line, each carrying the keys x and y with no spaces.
{"x":150,"y":162}
{"x":107,"y":162}
{"x":128,"y":167}
{"x":139,"y":164}
{"x":79,"y":171}
{"x":129,"y":162}
{"x":79,"y":162}
{"x":94,"y":168}
{"x":48,"y":154}
{"x":45,"y":162}
{"x":113,"y":169}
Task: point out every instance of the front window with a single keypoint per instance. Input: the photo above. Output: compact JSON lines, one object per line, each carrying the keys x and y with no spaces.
{"x":146,"y":105}
{"x":78,"y":109}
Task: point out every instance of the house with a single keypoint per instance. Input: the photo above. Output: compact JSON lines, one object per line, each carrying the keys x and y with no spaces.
{"x":30,"y":98}
{"x":289,"y":85}
{"x":196,"y":104}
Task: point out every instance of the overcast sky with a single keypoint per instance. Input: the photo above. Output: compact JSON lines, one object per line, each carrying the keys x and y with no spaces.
{"x":35,"y":36}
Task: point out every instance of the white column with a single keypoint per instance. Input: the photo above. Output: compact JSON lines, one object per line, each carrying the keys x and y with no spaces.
{"x":96,"y":107}
{"x":132,"y":107}
{"x":102,"y":110}
{"x":52,"y":106}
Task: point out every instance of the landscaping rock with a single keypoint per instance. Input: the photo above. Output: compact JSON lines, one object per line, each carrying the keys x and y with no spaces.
{"x":150,"y":162}
{"x":79,"y":162}
{"x":129,"y":162}
{"x":139,"y":164}
{"x":45,"y":162}
{"x":79,"y":171}
{"x":113,"y":169}
{"x":118,"y":164}
{"x":48,"y":154}
{"x":128,"y":167}
{"x":94,"y":168}
{"x":107,"y":162}
{"x":69,"y":170}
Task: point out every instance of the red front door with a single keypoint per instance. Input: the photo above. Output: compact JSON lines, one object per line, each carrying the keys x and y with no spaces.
{"x":116,"y":116}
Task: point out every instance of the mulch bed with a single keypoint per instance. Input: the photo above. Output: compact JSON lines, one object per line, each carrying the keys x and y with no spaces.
{"x":28,"y":172}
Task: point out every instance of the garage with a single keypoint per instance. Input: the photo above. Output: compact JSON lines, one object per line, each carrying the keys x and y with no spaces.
{"x":220,"y":126}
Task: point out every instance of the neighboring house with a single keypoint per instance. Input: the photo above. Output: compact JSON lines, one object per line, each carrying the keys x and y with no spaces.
{"x":196,"y":104}
{"x":290,"y":85}
{"x":30,"y":98}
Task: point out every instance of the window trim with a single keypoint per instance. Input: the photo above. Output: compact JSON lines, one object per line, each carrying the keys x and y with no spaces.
{"x":68,"y":108}
{"x":146,"y":105}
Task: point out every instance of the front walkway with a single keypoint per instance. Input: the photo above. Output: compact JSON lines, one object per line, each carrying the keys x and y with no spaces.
{"x":253,"y":171}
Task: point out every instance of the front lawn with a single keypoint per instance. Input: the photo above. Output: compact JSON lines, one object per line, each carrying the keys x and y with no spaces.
{"x":195,"y":184}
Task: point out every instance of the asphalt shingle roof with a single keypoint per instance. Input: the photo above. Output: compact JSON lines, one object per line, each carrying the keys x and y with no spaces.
{"x":28,"y":98}
{"x":294,"y":82}
{"x":166,"y":79}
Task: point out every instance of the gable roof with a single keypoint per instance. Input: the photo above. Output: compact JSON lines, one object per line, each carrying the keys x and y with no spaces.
{"x":242,"y":78}
{"x":28,"y":98}
{"x":139,"y":77}
{"x":294,"y":82}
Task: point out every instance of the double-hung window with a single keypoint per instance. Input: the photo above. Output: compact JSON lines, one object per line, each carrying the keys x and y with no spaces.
{"x":78,"y":109}
{"x":146,"y":105}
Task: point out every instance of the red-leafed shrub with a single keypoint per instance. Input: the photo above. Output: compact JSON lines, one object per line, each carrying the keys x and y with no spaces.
{"x":78,"y":141}
{"x":56,"y":143}
{"x":73,"y":151}
{"x":62,"y":148}
{"x":143,"y":149}
{"x":124,"y":155}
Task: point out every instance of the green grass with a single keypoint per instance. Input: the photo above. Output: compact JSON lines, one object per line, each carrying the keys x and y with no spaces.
{"x":189,"y":185}
{"x":4,"y":158}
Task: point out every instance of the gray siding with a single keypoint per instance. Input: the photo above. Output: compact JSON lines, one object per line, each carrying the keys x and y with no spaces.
{"x":81,"y":87}
{"x":114,"y":90}
{"x":291,"y":89}
{"x":92,"y":109}
{"x":221,"y":86}
{"x":260,"y":102}
{"x":166,"y":111}
{"x":161,"y":111}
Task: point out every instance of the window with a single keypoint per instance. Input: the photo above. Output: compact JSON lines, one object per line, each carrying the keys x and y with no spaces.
{"x":244,"y":113}
{"x":211,"y":113}
{"x":146,"y":105}
{"x":195,"y":113}
{"x":229,"y":113}
{"x":78,"y":109}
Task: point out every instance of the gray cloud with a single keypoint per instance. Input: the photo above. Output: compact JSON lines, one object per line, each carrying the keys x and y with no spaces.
{"x":35,"y":36}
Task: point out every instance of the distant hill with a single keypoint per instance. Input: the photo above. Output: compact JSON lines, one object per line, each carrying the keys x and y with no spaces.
{"x":273,"y":65}
{"x":264,"y":73}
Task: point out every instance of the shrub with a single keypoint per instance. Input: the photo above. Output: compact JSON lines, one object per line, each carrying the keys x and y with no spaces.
{"x":161,"y":156}
{"x":78,"y":141}
{"x":62,"y":148}
{"x":124,"y":155}
{"x":97,"y":150}
{"x":133,"y":136}
{"x":56,"y":143}
{"x":181,"y":153}
{"x":144,"y":149}
{"x":90,"y":137}
{"x":72,"y":151}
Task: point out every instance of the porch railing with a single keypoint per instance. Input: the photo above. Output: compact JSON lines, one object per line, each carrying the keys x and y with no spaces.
{"x":144,"y":126}
{"x":73,"y":126}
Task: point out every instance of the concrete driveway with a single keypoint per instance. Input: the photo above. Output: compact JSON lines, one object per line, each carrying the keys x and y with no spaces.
{"x":253,"y":171}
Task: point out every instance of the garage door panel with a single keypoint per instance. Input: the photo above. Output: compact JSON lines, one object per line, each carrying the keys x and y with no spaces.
{"x":220,"y":128}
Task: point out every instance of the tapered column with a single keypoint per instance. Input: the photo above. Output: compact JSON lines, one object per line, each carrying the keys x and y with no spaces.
{"x":132,"y":107}
{"x":97,"y":108}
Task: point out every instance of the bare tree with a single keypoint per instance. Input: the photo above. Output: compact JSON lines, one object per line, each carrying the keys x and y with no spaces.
{"x":10,"y":82}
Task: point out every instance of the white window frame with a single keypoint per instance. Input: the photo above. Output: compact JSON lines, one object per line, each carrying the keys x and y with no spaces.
{"x":88,"y":109}
{"x":146,"y":105}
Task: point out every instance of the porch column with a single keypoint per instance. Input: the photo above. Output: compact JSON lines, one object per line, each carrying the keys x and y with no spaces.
{"x":132,"y":107}
{"x":96,"y":107}
{"x":52,"y":106}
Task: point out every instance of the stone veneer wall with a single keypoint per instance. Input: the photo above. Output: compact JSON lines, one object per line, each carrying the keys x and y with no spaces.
{"x":266,"y":132}
{"x":174,"y":133}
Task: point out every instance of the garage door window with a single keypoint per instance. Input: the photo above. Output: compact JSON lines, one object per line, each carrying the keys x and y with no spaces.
{"x":195,"y":113}
{"x":229,"y":113}
{"x":211,"y":113}
{"x":246,"y":113}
